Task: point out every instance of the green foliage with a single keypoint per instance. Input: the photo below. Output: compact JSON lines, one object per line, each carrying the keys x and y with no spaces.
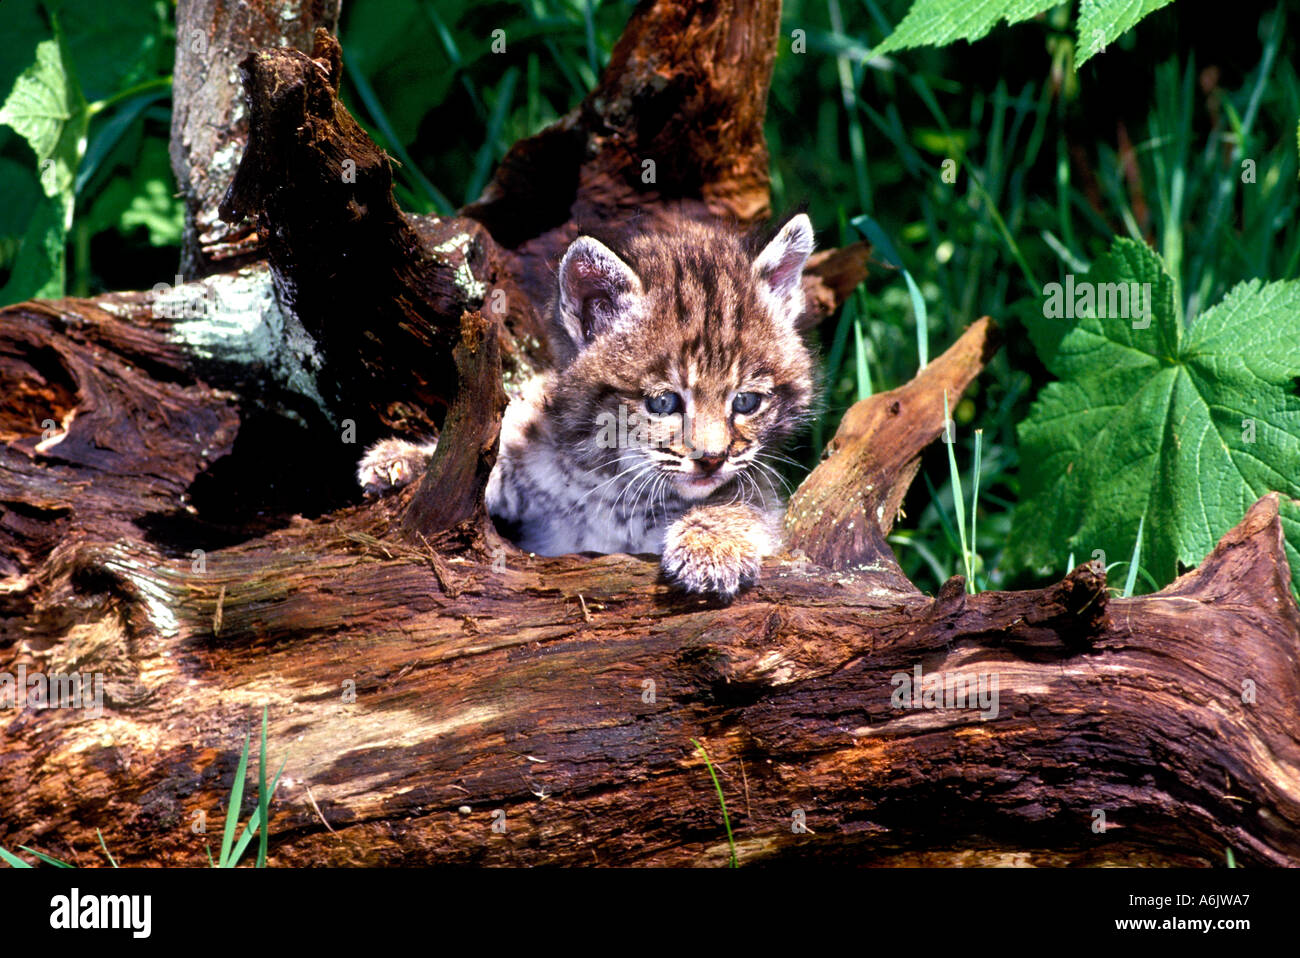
{"x":939,"y":22}
{"x":1153,"y":426}
{"x":46,"y":108}
{"x":447,"y":86}
{"x":1151,"y":143}
{"x":140,"y":199}
{"x":78,"y":77}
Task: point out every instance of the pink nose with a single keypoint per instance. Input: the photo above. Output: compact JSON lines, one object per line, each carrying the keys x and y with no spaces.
{"x":710,"y":462}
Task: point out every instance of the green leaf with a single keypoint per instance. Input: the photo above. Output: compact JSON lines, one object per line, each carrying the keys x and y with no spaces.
{"x":46,"y":108}
{"x":22,"y":194}
{"x":939,"y":22}
{"x":1188,"y":430}
{"x":157,"y":209}
{"x":1103,"y":21}
{"x":110,"y":46}
{"x":1103,"y":343}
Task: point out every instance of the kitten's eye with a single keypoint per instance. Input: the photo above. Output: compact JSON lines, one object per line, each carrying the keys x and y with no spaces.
{"x":745,"y":403}
{"x":665,"y":404}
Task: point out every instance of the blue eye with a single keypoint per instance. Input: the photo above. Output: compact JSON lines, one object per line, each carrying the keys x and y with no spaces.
{"x":664,"y":404}
{"x":745,"y":403}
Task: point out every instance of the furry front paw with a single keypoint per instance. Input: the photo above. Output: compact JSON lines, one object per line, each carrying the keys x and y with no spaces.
{"x":392,"y":463}
{"x":716,"y":550}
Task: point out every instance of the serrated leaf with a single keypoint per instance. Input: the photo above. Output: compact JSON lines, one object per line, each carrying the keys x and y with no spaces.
{"x":1095,"y":340}
{"x":936,"y":22}
{"x":1188,"y":430}
{"x":1104,"y":21}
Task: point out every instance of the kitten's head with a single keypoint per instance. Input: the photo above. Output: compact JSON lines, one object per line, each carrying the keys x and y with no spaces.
{"x":686,"y":361}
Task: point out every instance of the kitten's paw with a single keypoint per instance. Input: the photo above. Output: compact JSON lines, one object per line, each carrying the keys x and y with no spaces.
{"x":392,"y":463}
{"x":716,"y":550}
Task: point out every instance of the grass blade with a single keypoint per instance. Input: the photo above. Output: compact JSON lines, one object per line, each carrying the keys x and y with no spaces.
{"x":726,"y":820}
{"x":255,"y":819}
{"x":13,"y":860}
{"x":48,"y":859}
{"x":232,"y":813}
{"x":263,"y":799}
{"x":848,"y":94}
{"x":871,"y":230}
{"x":441,"y":205}
{"x":974,"y":503}
{"x":958,"y":501}
{"x":104,"y":845}
{"x":860,"y":359}
{"x":483,"y":161}
{"x":1131,"y":579}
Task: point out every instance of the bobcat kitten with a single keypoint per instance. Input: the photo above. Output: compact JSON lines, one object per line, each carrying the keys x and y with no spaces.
{"x":681,"y":369}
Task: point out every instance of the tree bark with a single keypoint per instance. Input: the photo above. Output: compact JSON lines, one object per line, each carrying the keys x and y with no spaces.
{"x":209,"y":125}
{"x":176,"y":515}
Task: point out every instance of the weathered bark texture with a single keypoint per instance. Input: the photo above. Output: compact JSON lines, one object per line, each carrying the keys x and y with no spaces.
{"x":209,"y":123}
{"x":175,"y":515}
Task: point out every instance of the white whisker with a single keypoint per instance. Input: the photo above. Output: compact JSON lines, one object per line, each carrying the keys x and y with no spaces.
{"x":636,"y":465}
{"x":775,"y":475}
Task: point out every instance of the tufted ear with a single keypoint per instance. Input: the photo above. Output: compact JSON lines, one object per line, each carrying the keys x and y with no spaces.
{"x":779,"y":268}
{"x":598,"y":292}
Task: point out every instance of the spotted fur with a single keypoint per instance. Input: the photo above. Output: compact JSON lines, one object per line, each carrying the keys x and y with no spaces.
{"x":589,"y":461}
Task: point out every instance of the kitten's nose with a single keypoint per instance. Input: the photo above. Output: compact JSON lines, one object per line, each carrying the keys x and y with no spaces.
{"x":710,"y":462}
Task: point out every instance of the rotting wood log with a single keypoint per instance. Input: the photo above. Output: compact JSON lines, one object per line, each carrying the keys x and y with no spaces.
{"x":426,"y":681}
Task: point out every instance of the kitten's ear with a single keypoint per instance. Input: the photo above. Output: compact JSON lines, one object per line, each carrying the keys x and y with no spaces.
{"x":598,"y":291}
{"x":779,"y":268}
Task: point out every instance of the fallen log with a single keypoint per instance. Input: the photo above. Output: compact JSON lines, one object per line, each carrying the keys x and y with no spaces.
{"x":177,"y":518}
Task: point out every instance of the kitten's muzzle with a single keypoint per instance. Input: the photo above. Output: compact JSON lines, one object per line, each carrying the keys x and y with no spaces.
{"x":710,"y":462}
